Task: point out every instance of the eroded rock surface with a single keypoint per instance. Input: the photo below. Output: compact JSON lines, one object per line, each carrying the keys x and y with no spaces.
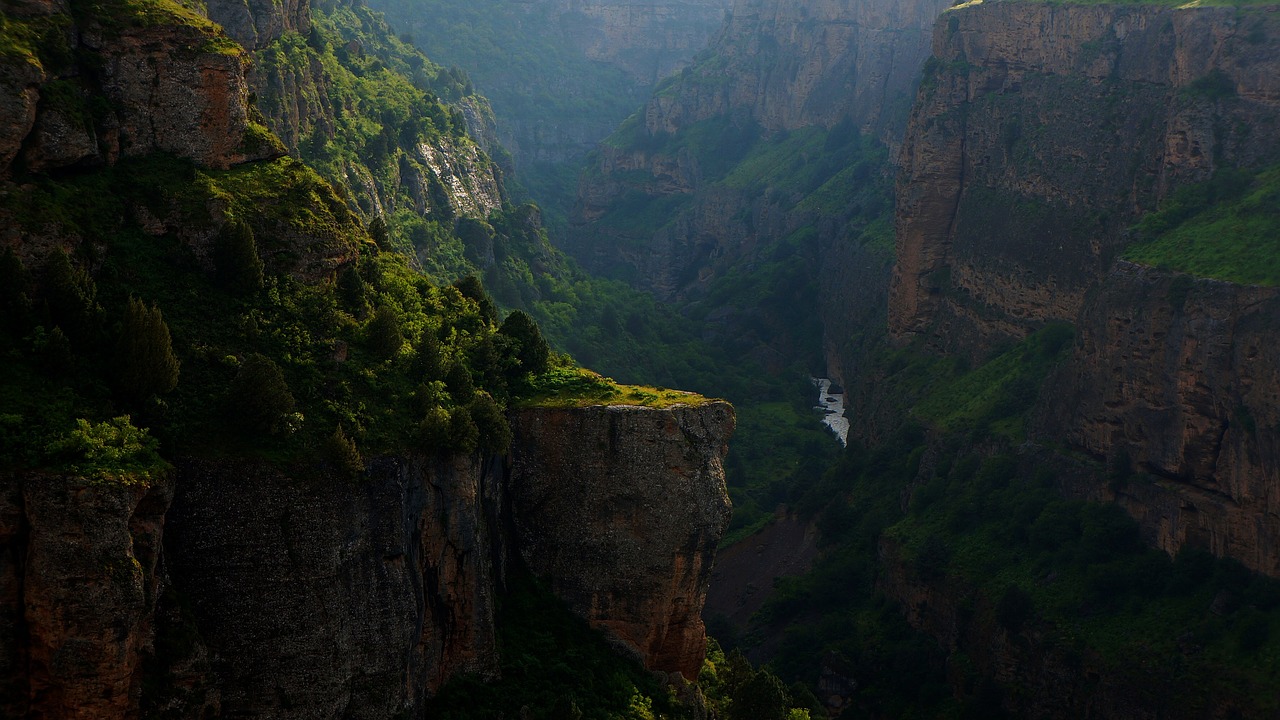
{"x":1042,"y":131}
{"x":620,"y":509}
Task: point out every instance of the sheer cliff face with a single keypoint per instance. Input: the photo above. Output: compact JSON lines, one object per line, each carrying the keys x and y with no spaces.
{"x":1180,"y":380}
{"x":794,"y":64}
{"x":317,"y":597}
{"x":1041,"y":131}
{"x":168,"y":87}
{"x":78,"y":580}
{"x":647,"y":41}
{"x":620,"y":509}
{"x":302,"y":595}
{"x":1040,"y":134}
{"x":255,"y":24}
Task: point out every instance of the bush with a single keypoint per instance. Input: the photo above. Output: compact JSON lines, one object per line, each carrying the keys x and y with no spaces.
{"x":112,"y":450}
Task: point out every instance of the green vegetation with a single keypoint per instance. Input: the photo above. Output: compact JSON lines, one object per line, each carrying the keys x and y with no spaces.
{"x":946,"y":505}
{"x":554,"y":666}
{"x":565,"y":384}
{"x":1227,"y":228}
{"x":111,"y":451}
{"x":270,"y":370}
{"x":520,"y":59}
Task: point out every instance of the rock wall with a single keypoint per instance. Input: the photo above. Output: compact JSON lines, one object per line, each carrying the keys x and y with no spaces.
{"x":1175,"y":383}
{"x":319,"y":597}
{"x":1042,"y":131}
{"x":256,"y":23}
{"x":620,"y":508}
{"x":648,"y":41}
{"x":78,"y":581}
{"x":303,"y":595}
{"x":169,"y":86}
{"x":443,"y":178}
{"x":792,"y":64}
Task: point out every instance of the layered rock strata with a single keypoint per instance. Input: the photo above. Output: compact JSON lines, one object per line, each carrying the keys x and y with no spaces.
{"x":1042,"y":131}
{"x":790,"y":64}
{"x":1175,"y":384}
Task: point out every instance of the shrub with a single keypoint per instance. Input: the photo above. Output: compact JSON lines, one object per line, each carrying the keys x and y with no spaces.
{"x":112,"y":450}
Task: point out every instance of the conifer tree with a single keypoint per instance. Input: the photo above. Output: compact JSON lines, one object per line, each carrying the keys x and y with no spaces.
{"x":259,"y":397}
{"x":385,"y":338}
{"x":530,"y":347}
{"x":145,"y":363}
{"x":238,"y":264}
{"x":342,"y":452}
{"x":471,"y":287}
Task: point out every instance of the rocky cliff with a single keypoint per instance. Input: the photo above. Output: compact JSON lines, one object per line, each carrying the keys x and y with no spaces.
{"x":168,"y":81}
{"x":1174,"y":382}
{"x":561,"y":73}
{"x":344,"y":81}
{"x":303,"y":594}
{"x":620,"y":508}
{"x":789,"y":65}
{"x":1042,"y":131}
{"x":78,"y":583}
{"x":750,"y":149}
{"x":647,"y":41}
{"x":1040,"y":135}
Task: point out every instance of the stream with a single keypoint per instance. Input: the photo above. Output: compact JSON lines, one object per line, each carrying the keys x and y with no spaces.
{"x":831,"y":404}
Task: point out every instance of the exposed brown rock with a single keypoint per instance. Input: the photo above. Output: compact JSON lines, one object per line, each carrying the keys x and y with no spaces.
{"x":319,"y":597}
{"x":1180,"y":380}
{"x":256,"y":23}
{"x":79,"y":600}
{"x":620,"y":509}
{"x":172,"y":96}
{"x":1042,"y":131}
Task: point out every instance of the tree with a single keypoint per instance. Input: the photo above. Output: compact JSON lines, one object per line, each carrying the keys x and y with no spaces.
{"x":342,"y":452}
{"x":471,"y":287}
{"x":494,"y":431}
{"x":236,"y":259}
{"x":530,"y":347}
{"x":145,"y":363}
{"x":383,"y":332}
{"x":259,"y":398}
{"x":71,"y":298}
{"x":762,"y":697}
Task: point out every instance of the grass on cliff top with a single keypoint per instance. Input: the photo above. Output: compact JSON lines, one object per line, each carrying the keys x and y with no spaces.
{"x":1227,"y":228}
{"x":565,"y":385}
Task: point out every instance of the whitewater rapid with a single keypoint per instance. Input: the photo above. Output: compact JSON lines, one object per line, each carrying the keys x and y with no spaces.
{"x":832,"y":406}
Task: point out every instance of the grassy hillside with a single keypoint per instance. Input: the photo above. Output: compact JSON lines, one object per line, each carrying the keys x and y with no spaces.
{"x":1227,"y":228}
